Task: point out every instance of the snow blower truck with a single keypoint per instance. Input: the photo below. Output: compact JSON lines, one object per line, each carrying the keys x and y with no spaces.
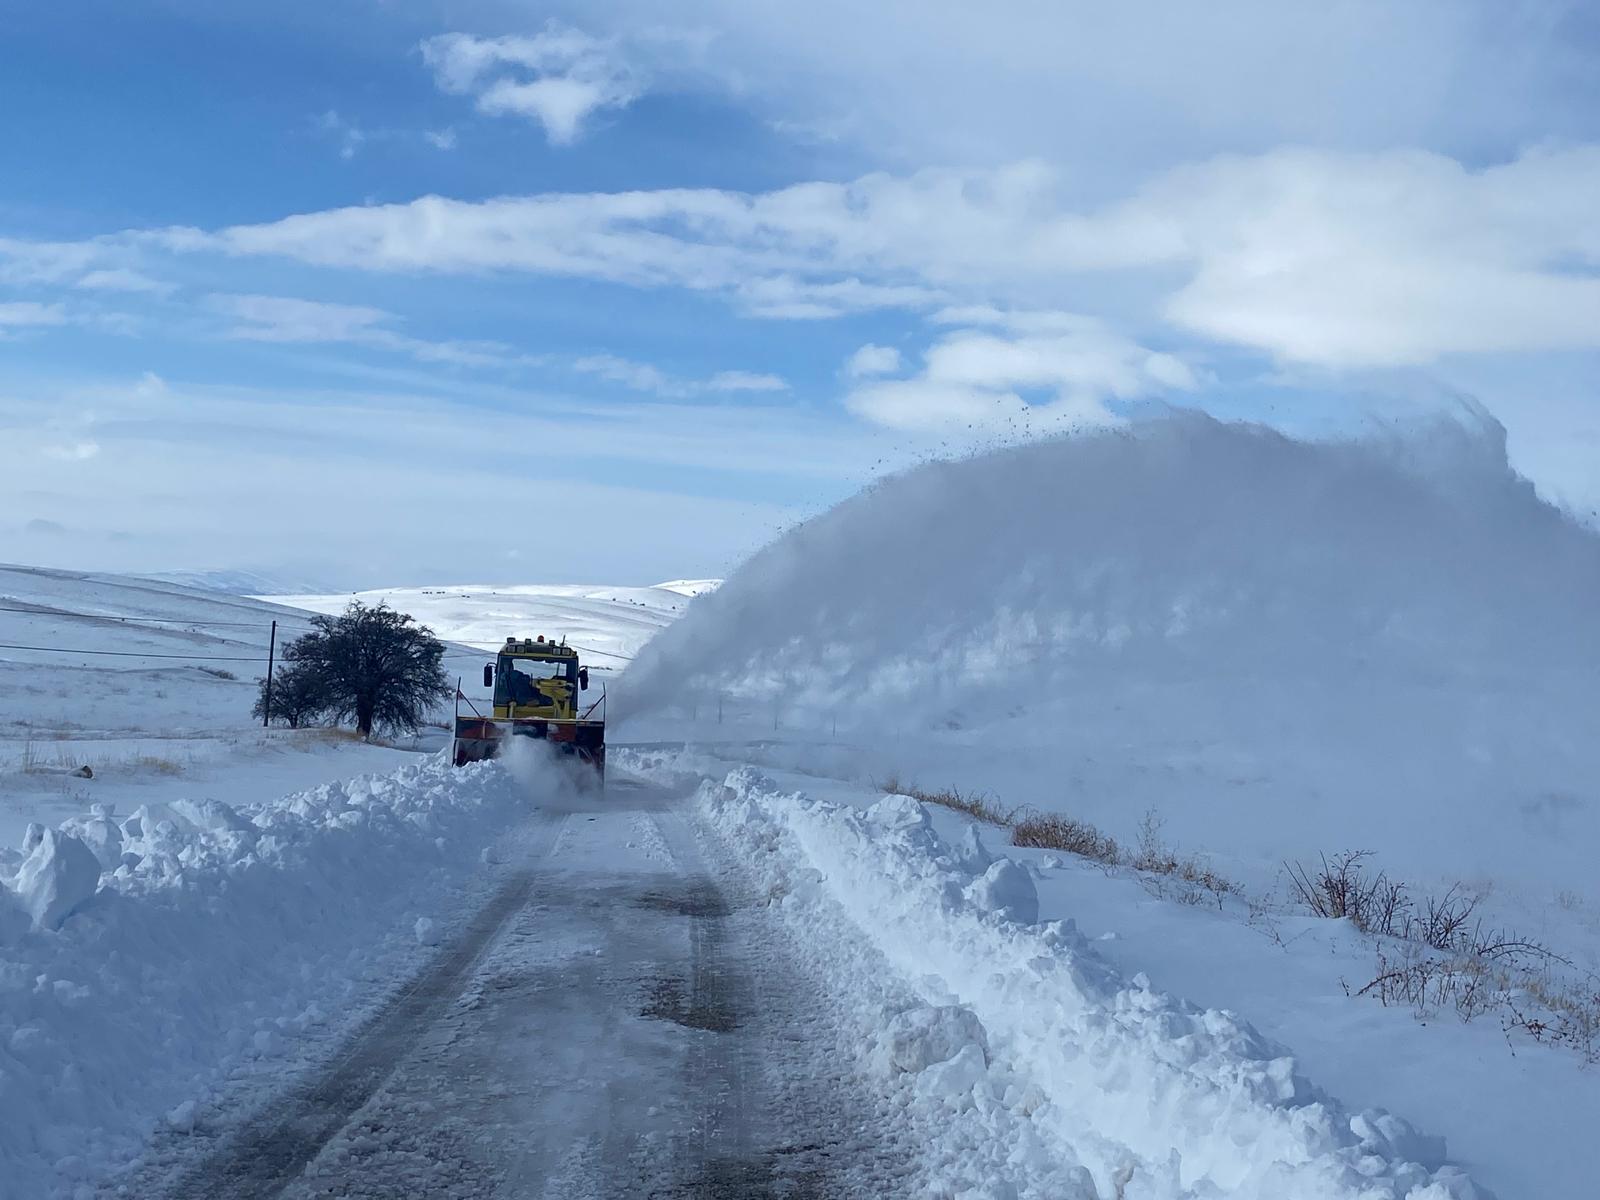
{"x":536,"y":685}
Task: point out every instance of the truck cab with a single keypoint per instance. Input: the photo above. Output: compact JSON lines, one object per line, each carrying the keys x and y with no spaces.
{"x":536,"y":679}
{"x":536,"y":682}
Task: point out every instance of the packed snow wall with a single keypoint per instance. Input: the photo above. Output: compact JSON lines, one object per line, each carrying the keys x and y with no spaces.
{"x":1395,"y":630}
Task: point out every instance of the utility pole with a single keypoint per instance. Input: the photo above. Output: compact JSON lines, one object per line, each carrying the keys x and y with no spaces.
{"x":266,"y":704}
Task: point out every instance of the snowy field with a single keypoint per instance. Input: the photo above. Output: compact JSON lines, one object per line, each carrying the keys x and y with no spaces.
{"x":1260,"y":651}
{"x":609,"y":625}
{"x":148,"y":684}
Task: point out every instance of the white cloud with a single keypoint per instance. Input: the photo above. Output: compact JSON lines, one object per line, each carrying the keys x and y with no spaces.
{"x":30,"y":314}
{"x":287,"y":319}
{"x":1027,"y":382}
{"x":1311,"y":256}
{"x":745,"y":381}
{"x":45,"y":262}
{"x":177,"y":482}
{"x":440,"y":139}
{"x":873,"y":360}
{"x":559,"y":78}
{"x":121,"y":279}
{"x":1113,"y":91}
{"x":642,"y":377}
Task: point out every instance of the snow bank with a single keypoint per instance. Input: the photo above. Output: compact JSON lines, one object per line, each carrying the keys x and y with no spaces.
{"x":129,"y":993}
{"x":1157,"y":1098}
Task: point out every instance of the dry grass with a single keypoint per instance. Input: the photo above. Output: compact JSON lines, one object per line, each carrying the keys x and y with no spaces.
{"x":1055,"y":831}
{"x":1035,"y":830}
{"x":1157,"y":859}
{"x":980,"y":806}
{"x":156,"y":764}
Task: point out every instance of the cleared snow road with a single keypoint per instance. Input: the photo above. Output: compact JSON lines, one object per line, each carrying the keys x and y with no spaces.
{"x":617,"y":1021}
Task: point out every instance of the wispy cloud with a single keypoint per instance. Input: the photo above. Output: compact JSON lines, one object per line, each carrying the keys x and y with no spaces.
{"x":351,"y":136}
{"x":122,"y":279}
{"x":643,"y":377}
{"x":28,"y":314}
{"x":559,"y":78}
{"x":287,"y":319}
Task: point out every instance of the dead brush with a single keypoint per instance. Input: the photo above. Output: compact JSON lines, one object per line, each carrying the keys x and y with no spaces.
{"x":980,"y":806}
{"x":155,"y":764}
{"x":1055,"y":831}
{"x":1155,"y":857}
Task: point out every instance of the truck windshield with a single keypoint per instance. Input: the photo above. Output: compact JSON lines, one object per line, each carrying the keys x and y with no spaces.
{"x":522,"y":680}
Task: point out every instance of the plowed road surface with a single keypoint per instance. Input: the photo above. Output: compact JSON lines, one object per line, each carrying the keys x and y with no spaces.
{"x":620,"y":1020}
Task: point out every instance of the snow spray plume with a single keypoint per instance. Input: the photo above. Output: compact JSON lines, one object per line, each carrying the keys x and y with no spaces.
{"x":552,"y":780}
{"x":1184,"y":551}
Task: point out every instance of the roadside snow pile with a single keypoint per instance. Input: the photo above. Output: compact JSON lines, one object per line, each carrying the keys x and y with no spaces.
{"x":129,"y":995}
{"x":1158,"y":1100}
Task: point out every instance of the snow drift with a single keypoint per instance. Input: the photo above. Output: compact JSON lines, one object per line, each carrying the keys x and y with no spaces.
{"x":202,"y":941}
{"x":1285,"y":646}
{"x":1154,"y":1098}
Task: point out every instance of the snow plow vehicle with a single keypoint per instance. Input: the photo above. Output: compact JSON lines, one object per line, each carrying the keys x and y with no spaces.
{"x":536,"y":695}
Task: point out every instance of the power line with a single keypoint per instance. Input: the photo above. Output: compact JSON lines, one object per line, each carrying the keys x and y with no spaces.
{"x":56,"y":612}
{"x":127,"y":653}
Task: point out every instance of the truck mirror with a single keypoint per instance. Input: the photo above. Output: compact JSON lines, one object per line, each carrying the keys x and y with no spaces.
{"x":583,"y":679}
{"x":488,"y":674}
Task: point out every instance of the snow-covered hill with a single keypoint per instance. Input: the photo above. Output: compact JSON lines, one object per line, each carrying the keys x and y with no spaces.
{"x":150,"y":681}
{"x":149,"y":684}
{"x":610,"y":623}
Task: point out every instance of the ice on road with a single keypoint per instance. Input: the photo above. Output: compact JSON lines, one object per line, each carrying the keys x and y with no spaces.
{"x":618,"y":1021}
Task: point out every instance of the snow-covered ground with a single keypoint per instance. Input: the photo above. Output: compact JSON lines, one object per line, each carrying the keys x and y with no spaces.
{"x":1277,"y":649}
{"x":149,"y":684}
{"x":612,"y":624}
{"x":1153,"y":1028}
{"x":1271,"y":650}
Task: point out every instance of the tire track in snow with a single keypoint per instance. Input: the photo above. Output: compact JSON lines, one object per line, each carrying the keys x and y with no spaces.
{"x":273,"y":1149}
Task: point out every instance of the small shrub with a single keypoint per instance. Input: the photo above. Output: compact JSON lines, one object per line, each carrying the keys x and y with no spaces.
{"x":980,"y":806}
{"x":1054,"y":831}
{"x":1158,"y":858}
{"x":1341,"y":889}
{"x":218,"y":673}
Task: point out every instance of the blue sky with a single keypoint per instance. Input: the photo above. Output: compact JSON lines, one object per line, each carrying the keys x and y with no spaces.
{"x":379,"y":293}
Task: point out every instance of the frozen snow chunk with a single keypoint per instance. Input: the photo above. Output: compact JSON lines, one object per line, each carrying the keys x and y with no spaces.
{"x":427,"y":932}
{"x":212,"y":815}
{"x":57,"y":879}
{"x":899,"y":813}
{"x":32,"y":836}
{"x":954,"y":1078}
{"x":1008,"y":890}
{"x":1381,"y":1132}
{"x":14,"y":918}
{"x":917,"y":1038}
{"x":101,"y":834}
{"x":971,"y":855}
